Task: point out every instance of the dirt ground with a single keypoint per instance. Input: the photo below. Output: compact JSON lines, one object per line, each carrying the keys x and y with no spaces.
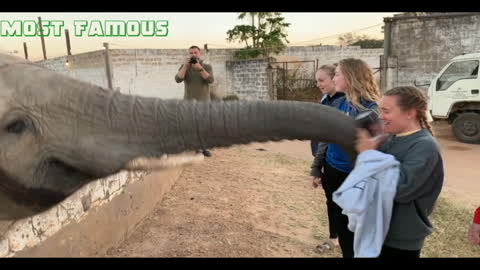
{"x":257,"y":201}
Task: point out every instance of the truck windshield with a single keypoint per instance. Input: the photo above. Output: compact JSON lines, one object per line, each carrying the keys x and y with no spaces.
{"x":457,"y":71}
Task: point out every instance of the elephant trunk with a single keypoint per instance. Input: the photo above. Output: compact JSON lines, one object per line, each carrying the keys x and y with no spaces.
{"x":127,"y":127}
{"x":221,"y":124}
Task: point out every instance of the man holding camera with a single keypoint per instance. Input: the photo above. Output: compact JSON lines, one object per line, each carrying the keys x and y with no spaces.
{"x":196,"y":76}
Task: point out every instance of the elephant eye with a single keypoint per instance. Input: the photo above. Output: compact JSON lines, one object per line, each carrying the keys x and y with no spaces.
{"x":17,"y":127}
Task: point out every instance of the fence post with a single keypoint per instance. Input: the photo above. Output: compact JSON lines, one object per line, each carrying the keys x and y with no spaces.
{"x":41,"y":36}
{"x":67,"y":37}
{"x":25,"y":50}
{"x":107,"y":65}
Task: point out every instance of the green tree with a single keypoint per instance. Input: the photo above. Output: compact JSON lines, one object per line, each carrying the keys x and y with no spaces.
{"x":265,"y":35}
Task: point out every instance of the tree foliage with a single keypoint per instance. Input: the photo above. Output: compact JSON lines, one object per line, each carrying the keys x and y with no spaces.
{"x":266,"y":34}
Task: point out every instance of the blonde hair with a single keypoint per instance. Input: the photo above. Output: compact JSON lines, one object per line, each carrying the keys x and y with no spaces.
{"x":410,"y":97}
{"x":329,"y":69}
{"x":360,"y":82}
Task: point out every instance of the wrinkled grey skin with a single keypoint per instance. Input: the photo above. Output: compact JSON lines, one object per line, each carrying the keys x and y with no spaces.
{"x":57,"y":133}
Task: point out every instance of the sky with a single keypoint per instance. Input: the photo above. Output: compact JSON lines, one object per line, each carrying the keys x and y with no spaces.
{"x":184,"y":30}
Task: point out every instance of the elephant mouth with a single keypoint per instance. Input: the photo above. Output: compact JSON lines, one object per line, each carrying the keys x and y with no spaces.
{"x":19,"y":201}
{"x":29,"y":199}
{"x":58,"y":166}
{"x":66,"y":177}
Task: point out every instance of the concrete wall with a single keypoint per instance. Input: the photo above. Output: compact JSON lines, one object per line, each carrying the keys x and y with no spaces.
{"x":418,"y":47}
{"x":331,"y":54}
{"x":145,"y":72}
{"x":88,"y":67}
{"x":89,"y":222}
{"x":150,"y":72}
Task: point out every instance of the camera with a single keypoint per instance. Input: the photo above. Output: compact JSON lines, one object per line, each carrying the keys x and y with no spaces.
{"x":193,"y":60}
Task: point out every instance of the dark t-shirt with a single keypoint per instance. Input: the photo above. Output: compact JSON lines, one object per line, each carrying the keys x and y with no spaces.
{"x":196,"y":87}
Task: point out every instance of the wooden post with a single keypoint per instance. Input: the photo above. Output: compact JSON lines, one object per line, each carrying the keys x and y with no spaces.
{"x":107,"y":65}
{"x":41,"y":36}
{"x":67,"y":37}
{"x":25,"y":50}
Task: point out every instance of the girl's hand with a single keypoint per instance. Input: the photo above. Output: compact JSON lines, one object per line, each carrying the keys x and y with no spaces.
{"x":365,"y":141}
{"x":316,"y":181}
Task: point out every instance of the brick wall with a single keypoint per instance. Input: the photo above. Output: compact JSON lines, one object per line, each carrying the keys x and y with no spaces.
{"x":248,"y":79}
{"x":150,"y":72}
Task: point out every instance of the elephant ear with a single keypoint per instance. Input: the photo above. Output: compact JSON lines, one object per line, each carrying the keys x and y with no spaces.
{"x":6,"y":59}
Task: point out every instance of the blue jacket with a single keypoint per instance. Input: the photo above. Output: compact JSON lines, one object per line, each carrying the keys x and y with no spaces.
{"x":333,"y":101}
{"x":336,"y":156}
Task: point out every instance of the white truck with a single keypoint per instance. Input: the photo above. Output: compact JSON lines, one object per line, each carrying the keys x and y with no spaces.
{"x":454,"y":96}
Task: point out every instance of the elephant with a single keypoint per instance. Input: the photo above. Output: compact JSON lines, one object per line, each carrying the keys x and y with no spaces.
{"x":58,"y":133}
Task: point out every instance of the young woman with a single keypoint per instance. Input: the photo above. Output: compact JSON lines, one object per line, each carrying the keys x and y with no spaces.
{"x":355,"y":78}
{"x":324,"y":78}
{"x":404,"y":115}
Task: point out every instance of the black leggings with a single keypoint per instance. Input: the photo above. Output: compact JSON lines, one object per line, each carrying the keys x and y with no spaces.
{"x":340,"y":221}
{"x":329,"y":189}
{"x":389,"y":252}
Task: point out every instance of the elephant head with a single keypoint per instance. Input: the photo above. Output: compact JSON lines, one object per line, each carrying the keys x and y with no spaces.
{"x":58,"y":133}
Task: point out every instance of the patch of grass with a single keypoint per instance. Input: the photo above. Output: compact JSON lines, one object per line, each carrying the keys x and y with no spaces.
{"x":451,"y":222}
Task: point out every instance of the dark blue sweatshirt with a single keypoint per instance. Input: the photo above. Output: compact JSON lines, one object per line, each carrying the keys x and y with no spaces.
{"x":333,"y":101}
{"x":336,"y":156}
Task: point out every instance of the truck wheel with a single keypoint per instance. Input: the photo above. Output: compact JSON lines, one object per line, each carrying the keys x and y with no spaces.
{"x":466,"y":127}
